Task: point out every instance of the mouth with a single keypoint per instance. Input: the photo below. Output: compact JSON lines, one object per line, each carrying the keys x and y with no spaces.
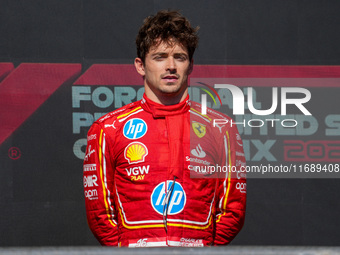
{"x":170,"y":78}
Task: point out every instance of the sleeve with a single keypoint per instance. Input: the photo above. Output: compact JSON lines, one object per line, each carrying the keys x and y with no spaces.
{"x":98,"y":177}
{"x":231,"y":207}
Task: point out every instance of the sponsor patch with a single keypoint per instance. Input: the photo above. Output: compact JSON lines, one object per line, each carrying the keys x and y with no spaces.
{"x":242,"y":187}
{"x":137,"y":173}
{"x":135,"y":152}
{"x":199,"y":129}
{"x":89,"y":153}
{"x":91,"y":137}
{"x":90,"y":181}
{"x":176,"y":201}
{"x":198,"y":152}
{"x":90,"y":167}
{"x":135,"y":128}
{"x":91,"y":194}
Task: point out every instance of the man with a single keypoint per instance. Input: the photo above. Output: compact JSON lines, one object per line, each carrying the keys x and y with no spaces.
{"x":141,"y":182}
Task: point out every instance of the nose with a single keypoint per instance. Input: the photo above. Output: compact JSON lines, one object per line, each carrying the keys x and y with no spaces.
{"x":171,"y":65}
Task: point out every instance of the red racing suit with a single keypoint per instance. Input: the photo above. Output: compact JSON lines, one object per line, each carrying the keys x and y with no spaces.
{"x":146,"y":181}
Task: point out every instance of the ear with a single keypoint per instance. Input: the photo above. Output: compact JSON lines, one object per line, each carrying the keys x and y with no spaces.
{"x":191,"y":66}
{"x":139,"y":65}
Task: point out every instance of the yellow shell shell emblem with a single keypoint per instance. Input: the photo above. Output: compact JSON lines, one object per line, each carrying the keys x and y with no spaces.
{"x":135,"y":152}
{"x":199,"y":129}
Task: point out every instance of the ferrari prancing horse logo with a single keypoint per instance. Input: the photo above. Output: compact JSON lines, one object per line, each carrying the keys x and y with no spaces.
{"x":199,"y":129}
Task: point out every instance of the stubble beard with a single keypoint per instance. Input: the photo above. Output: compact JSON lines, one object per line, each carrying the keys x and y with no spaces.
{"x":173,"y":89}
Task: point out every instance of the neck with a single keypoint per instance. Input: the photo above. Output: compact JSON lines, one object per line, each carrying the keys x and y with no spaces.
{"x":166,"y":98}
{"x":160,"y":110}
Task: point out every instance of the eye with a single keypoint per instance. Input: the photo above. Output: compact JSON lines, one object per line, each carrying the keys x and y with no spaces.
{"x":181,"y":57}
{"x":159,"y":57}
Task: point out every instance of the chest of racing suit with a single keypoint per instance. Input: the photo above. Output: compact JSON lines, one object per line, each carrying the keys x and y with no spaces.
{"x":159,"y":175}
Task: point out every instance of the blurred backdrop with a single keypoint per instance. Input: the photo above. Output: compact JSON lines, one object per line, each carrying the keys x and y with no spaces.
{"x":63,"y":64}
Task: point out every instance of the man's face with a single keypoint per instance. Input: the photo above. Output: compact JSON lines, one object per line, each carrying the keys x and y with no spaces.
{"x":165,"y":70}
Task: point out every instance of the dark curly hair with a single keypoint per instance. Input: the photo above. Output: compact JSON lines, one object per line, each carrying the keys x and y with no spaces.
{"x":168,"y":26}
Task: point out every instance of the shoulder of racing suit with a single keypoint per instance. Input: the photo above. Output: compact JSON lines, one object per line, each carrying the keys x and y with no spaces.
{"x":110,"y":118}
{"x":213,"y":117}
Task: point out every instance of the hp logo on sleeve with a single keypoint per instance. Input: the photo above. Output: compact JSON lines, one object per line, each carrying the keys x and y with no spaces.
{"x":135,"y":128}
{"x":160,"y":194}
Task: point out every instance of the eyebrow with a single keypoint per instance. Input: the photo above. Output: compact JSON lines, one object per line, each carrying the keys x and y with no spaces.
{"x":159,"y":54}
{"x":181,"y":54}
{"x":165,"y":54}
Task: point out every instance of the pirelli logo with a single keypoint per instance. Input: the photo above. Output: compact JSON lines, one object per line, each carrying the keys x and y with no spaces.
{"x":90,"y":167}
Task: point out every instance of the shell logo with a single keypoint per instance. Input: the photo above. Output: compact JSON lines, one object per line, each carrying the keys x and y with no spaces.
{"x":135,"y":152}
